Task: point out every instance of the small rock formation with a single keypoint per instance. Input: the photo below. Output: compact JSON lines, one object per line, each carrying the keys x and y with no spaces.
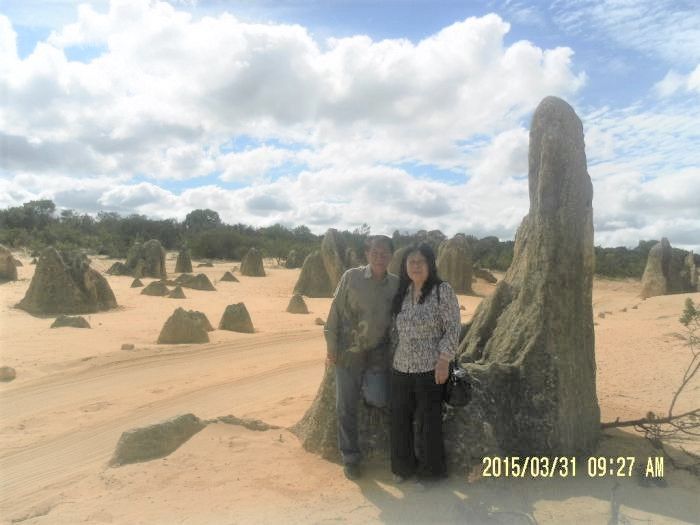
{"x":155,"y":441}
{"x":34,"y":261}
{"x":7,"y":373}
{"x":236,"y":319}
{"x":485,"y":275}
{"x":185,"y":327}
{"x":454,"y":263}
{"x":297,"y":305}
{"x":156,"y":288}
{"x":228,"y":276}
{"x":136,"y":283}
{"x":8,"y":270}
{"x":196,"y":282}
{"x":67,"y":320}
{"x":313,"y":280}
{"x":177,"y":293}
{"x":17,"y":262}
{"x":128,"y":346}
{"x":252,"y":264}
{"x":655,"y":278}
{"x":395,"y":264}
{"x":294,"y":260}
{"x":333,"y":252}
{"x":533,"y":338}
{"x":147,"y":260}
{"x":119,"y":268}
{"x":66,"y":286}
{"x":184,"y":262}
{"x":205,"y":264}
{"x":319,"y":322}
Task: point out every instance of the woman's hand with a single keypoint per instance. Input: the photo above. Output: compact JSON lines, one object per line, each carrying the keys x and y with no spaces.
{"x":442,"y":370}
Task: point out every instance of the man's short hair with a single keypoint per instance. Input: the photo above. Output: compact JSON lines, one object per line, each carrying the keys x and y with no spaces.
{"x":379,"y":239}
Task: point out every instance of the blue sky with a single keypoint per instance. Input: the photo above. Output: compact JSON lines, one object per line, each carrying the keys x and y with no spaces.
{"x":400,"y":114}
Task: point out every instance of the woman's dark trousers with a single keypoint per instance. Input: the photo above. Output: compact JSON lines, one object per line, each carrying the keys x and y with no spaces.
{"x":416,"y":397}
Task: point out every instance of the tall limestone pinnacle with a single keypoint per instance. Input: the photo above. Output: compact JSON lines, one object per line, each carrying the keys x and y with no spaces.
{"x":531,"y":344}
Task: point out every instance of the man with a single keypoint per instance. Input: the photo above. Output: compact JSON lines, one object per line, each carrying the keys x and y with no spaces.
{"x":357,"y":338}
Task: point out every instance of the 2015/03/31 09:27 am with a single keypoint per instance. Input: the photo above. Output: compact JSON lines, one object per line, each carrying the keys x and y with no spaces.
{"x":566,"y":466}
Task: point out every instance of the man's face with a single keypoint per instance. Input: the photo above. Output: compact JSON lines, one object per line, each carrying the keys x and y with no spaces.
{"x":379,"y":257}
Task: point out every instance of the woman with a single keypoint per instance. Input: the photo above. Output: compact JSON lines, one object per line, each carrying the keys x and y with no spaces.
{"x":427,"y":324}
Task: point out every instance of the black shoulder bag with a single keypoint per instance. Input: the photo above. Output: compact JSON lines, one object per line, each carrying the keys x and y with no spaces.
{"x":457,"y":391}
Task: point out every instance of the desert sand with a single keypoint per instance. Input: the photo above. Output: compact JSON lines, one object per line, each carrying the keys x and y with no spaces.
{"x":76,"y":391}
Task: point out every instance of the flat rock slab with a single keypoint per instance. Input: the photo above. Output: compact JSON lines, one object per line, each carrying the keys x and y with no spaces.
{"x":155,"y":441}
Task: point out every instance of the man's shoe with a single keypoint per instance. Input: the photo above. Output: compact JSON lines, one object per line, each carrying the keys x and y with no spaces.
{"x":352,"y":471}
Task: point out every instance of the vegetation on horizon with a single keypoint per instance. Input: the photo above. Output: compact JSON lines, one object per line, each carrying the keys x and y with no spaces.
{"x":37,"y":224}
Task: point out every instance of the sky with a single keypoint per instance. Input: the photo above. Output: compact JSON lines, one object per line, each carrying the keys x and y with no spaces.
{"x":401,"y":114}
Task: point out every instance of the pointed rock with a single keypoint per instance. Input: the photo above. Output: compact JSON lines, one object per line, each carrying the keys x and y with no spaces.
{"x":185,"y":326}
{"x":66,"y":286}
{"x":67,"y":320}
{"x":156,"y":288}
{"x":313,"y":280}
{"x":8,"y":269}
{"x":136,"y":283}
{"x":236,"y":319}
{"x":184,"y":262}
{"x":297,"y":305}
{"x":454,"y":263}
{"x":229,"y":277}
{"x":177,"y":293}
{"x":252,"y":264}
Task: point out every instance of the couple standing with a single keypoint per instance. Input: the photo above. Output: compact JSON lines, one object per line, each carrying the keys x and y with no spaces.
{"x":391,"y":340}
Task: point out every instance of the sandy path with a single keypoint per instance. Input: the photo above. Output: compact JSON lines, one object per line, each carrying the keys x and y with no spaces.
{"x":252,"y":388}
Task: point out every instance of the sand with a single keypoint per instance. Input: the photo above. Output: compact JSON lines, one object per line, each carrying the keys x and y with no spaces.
{"x":76,"y":391}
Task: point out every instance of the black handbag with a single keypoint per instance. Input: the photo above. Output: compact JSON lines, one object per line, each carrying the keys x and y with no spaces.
{"x":457,"y":391}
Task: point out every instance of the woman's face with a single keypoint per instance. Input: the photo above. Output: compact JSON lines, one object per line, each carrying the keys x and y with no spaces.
{"x":417,"y":267}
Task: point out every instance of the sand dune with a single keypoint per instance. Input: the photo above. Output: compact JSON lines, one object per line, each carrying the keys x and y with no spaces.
{"x":76,"y":391}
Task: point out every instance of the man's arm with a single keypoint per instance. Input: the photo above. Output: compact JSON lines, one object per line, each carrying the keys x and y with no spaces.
{"x":332,"y":326}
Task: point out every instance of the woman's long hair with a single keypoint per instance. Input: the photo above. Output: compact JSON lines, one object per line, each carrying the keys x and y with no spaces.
{"x":405,"y":281}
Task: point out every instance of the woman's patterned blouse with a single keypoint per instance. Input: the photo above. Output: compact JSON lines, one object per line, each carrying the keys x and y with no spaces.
{"x":425,"y":331}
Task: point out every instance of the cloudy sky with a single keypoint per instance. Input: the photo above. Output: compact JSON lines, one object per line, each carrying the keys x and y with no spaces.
{"x":399,"y":114}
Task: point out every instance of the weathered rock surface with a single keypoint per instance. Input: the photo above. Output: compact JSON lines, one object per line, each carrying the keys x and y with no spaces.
{"x":454,"y":263}
{"x":185,"y":326}
{"x":196,"y":282}
{"x":72,"y":321}
{"x":297,"y":305}
{"x":533,"y":338}
{"x":177,"y":293}
{"x":17,"y":262}
{"x":8,"y":270}
{"x":136,"y":283}
{"x":691,"y":270}
{"x":147,"y":260}
{"x":155,"y":441}
{"x":294,"y":259}
{"x":119,"y":268}
{"x":7,"y":373}
{"x":67,"y":286}
{"x":485,"y":275}
{"x":313,"y":280}
{"x":183,"y":264}
{"x":229,"y":277}
{"x":236,"y":319}
{"x":655,"y":278}
{"x":396,"y":258}
{"x":156,"y":288}
{"x":530,"y":345}
{"x":252,"y":264}
{"x":333,"y":252}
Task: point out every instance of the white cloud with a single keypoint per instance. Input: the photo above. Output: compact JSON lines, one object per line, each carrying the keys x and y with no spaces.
{"x":675,"y":82}
{"x":663,"y":28}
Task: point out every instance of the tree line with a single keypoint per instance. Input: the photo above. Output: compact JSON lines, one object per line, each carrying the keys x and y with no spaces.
{"x":38,"y":223}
